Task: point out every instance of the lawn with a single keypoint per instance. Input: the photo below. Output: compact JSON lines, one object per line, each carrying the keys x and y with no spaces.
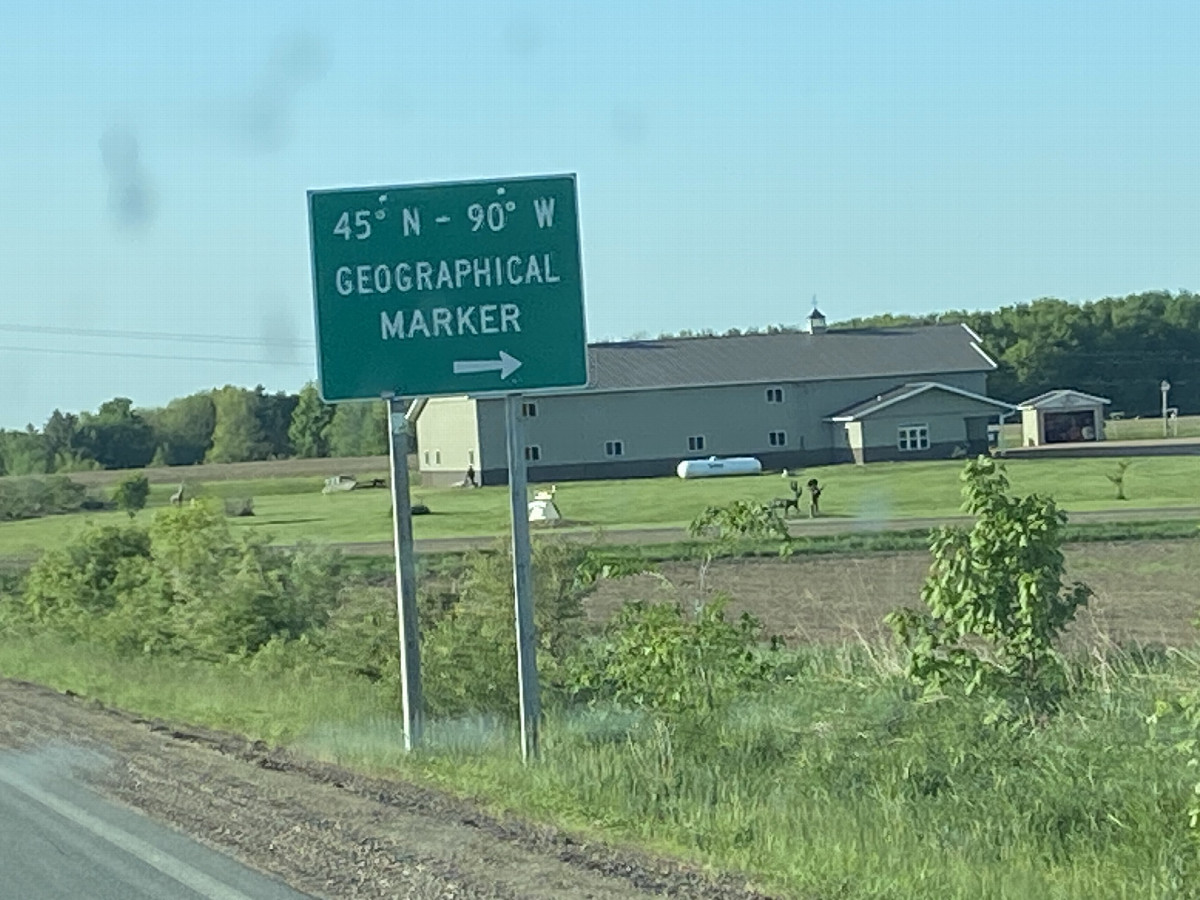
{"x":1150,"y":428}
{"x":1144,"y":429}
{"x":294,"y":509}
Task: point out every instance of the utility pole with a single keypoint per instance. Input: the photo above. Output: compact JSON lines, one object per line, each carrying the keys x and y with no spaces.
{"x":1165,"y":387}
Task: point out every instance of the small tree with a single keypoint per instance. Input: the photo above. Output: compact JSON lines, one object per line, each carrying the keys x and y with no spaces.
{"x":1118,"y":478}
{"x":742,"y":520}
{"x":130,"y":495}
{"x":995,"y":594}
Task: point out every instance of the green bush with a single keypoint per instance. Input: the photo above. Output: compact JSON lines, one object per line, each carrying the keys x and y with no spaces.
{"x":131,"y":493}
{"x":29,"y":498}
{"x":469,"y":650}
{"x":239,"y":507}
{"x":73,"y":586}
{"x":362,"y":633}
{"x":995,"y":596}
{"x":657,"y":659}
{"x":184,"y":585}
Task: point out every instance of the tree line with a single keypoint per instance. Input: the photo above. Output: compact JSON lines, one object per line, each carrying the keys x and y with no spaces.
{"x":1120,"y":348}
{"x":227,"y":424}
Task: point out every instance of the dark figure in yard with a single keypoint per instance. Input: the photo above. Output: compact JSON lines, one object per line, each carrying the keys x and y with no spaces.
{"x":814,"y":501}
{"x":471,"y":476}
{"x":786,"y":503}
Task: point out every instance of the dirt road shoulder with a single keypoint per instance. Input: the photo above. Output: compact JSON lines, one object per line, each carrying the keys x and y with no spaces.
{"x":324,"y":830}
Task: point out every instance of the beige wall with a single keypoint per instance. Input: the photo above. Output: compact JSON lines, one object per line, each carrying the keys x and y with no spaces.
{"x":573,"y":428}
{"x":944,"y":414}
{"x":447,"y":436}
{"x":1031,"y":428}
{"x":654,"y":425}
{"x":944,"y":428}
{"x":852,"y":436}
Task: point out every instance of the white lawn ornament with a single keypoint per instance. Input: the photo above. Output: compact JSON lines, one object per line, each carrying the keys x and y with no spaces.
{"x":542,"y":508}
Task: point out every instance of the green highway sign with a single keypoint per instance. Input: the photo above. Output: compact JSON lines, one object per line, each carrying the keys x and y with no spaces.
{"x":469,"y":287}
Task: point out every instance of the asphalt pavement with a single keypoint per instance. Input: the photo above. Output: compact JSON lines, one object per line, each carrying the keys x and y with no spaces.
{"x":59,"y":840}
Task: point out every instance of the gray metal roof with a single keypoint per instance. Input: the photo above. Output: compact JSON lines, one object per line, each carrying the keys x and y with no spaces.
{"x":907,"y":391}
{"x":755,"y":358}
{"x":1063,"y":398}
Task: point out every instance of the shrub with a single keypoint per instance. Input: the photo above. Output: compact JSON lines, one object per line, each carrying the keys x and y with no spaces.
{"x":469,"y":654}
{"x":28,"y":497}
{"x":71,"y":586}
{"x":362,"y":633}
{"x":185,"y":585}
{"x":239,"y":507}
{"x":655,"y":658}
{"x":131,"y":493}
{"x":995,"y":594}
{"x":741,"y":519}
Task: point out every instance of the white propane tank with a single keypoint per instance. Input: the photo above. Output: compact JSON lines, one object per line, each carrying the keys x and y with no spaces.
{"x":713,"y":466}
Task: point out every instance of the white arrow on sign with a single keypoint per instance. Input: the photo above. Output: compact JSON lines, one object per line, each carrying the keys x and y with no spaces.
{"x":505,"y":365}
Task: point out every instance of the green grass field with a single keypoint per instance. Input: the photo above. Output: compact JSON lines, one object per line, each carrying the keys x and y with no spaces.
{"x":1150,"y":428}
{"x":293,"y":509}
{"x":1144,"y":429}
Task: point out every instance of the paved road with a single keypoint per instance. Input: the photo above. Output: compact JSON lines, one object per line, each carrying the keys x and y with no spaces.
{"x":810,"y":527}
{"x":59,"y":840}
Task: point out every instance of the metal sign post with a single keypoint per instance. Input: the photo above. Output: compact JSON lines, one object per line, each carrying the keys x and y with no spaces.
{"x":1165,"y":388}
{"x":406,"y":576}
{"x":527,"y":674}
{"x":431,"y":290}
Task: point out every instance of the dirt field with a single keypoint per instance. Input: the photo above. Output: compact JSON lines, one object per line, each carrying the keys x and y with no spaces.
{"x":326,"y":831}
{"x":1145,"y":591}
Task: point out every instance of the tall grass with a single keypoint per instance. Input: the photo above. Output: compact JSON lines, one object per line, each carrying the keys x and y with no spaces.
{"x":838,"y":782}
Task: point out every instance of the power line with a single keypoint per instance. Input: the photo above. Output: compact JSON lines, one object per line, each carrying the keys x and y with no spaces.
{"x":192,"y":338}
{"x":159,"y":356}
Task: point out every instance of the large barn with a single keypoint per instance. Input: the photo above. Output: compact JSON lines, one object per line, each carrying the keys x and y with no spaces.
{"x":789,"y":399}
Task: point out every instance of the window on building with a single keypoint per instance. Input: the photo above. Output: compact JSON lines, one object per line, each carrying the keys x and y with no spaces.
{"x":774,"y":395}
{"x":777,"y":438}
{"x":426,"y":457}
{"x":437,"y":457}
{"x":533,"y":453}
{"x":696,"y":442}
{"x":470,"y":457}
{"x":913,"y":437}
{"x":529,"y":409}
{"x":614,"y":448}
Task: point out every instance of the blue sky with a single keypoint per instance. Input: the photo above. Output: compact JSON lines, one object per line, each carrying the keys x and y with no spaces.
{"x":734,"y":159}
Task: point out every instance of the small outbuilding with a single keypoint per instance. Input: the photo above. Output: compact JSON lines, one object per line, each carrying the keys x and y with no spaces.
{"x":922,"y":420}
{"x":1064,"y":416}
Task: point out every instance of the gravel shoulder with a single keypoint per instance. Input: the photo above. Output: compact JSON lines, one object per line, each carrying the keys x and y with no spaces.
{"x":324,"y":830}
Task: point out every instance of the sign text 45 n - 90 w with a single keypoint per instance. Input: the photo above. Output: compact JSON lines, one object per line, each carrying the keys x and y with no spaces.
{"x":448,"y":289}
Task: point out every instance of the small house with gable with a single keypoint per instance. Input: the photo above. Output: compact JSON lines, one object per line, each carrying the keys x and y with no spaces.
{"x":1062,"y":416}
